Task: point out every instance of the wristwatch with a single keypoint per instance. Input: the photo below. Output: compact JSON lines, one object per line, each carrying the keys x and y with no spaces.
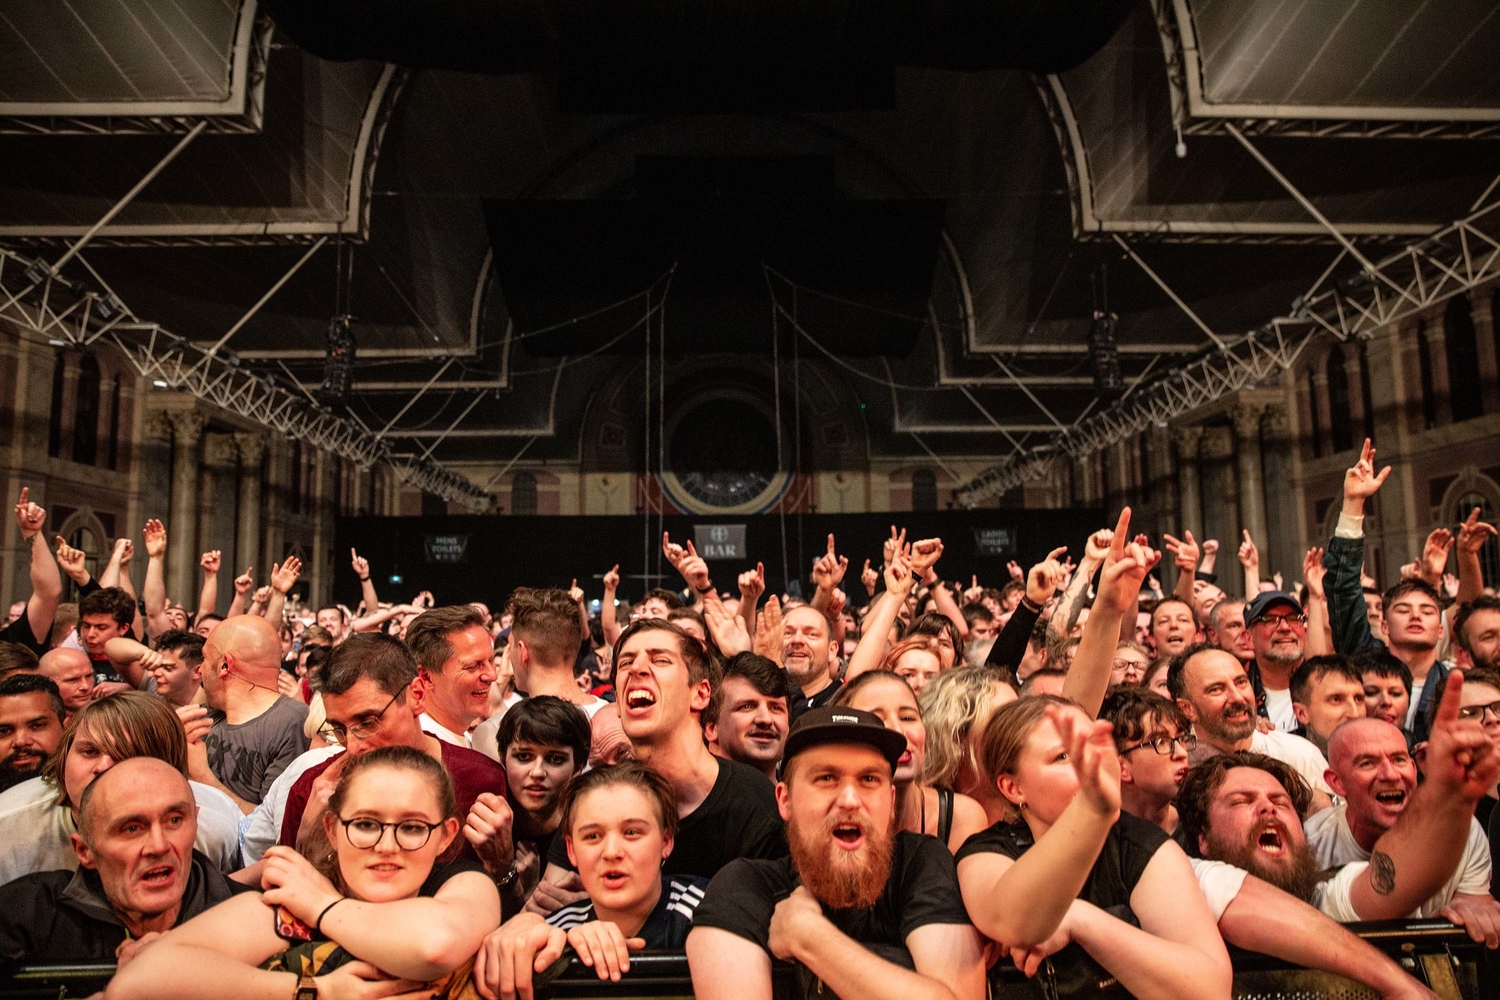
{"x":307,"y":988}
{"x":500,"y":882}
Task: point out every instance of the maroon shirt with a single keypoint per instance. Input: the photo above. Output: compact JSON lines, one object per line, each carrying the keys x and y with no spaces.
{"x":473,"y":773}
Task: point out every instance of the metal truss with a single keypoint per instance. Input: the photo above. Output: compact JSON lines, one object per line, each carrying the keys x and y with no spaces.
{"x":1452,"y":261}
{"x":171,"y":362}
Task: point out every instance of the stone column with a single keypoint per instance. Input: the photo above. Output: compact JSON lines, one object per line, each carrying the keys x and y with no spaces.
{"x":1489,"y":364}
{"x":1221,"y":516}
{"x":1246,"y":420}
{"x":247,"y":541}
{"x":182,"y":534}
{"x":69,"y":405}
{"x":216,"y":511}
{"x":317,"y":573}
{"x":1189,"y":506}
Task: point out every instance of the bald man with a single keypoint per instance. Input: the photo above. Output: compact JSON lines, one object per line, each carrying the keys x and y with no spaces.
{"x":139,"y":875}
{"x":73,"y":673}
{"x":250,"y":732}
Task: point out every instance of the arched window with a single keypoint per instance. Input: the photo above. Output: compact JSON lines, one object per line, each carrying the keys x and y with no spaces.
{"x":1489,"y":555}
{"x":114,"y":423}
{"x":1424,"y":364}
{"x":924,"y":490}
{"x":1462,"y":347}
{"x":523,"y":493}
{"x":86,"y":412}
{"x":1314,"y":405}
{"x":1364,"y":390}
{"x":54,"y":422}
{"x":1338,"y":402}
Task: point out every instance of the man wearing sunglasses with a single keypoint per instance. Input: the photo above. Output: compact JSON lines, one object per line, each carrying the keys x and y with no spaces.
{"x":1278,"y":632}
{"x":371,"y":702}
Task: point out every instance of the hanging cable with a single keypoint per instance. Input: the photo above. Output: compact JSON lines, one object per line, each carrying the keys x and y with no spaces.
{"x":786,"y":579}
{"x":797,"y":437}
{"x":646,"y":456}
{"x":661,"y":420}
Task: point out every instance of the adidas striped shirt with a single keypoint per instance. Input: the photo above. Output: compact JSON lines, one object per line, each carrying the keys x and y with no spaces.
{"x":667,"y":927}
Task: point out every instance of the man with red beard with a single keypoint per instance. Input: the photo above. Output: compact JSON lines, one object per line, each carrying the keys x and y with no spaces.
{"x":1244,"y":809}
{"x":1370,"y":767}
{"x":867,"y":911}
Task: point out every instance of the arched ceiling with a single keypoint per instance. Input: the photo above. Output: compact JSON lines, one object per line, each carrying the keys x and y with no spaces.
{"x":431,"y":182}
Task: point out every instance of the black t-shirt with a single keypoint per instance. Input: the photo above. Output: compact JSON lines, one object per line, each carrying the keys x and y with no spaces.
{"x":923,"y":889}
{"x":799,"y":703}
{"x":19,"y":632}
{"x":1128,"y":848}
{"x":739,"y":819}
{"x":666,"y":929}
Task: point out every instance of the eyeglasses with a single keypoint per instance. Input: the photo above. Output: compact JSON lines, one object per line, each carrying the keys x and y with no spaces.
{"x":1276,"y":621}
{"x":1129,"y":666}
{"x":363,"y":730}
{"x":1163,"y":744}
{"x":1477,"y":711}
{"x":364,"y":833}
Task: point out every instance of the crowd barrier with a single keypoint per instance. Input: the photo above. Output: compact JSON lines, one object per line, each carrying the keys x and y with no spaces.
{"x":1436,"y":953}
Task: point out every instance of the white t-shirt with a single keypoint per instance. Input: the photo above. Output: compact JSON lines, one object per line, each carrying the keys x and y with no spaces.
{"x":35,"y":830}
{"x":262,"y":828}
{"x":1297,"y":753}
{"x":1416,"y":699}
{"x":1279,"y":710}
{"x":486,"y":733}
{"x":432,"y":727}
{"x":1333,"y":845}
{"x":1220,"y":883}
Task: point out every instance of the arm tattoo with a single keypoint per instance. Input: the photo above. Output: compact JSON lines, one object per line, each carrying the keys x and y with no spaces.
{"x":1382,"y":874}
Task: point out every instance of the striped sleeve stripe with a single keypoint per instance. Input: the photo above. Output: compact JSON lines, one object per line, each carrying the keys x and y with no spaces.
{"x":571,"y":916}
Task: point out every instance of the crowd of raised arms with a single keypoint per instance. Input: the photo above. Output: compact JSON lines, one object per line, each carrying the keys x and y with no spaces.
{"x":1073,"y":772}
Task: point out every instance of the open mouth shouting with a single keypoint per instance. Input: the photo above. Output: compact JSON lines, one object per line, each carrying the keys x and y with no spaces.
{"x":1391,"y":798}
{"x":639,"y":701}
{"x":158,"y":876}
{"x":1271,"y":839}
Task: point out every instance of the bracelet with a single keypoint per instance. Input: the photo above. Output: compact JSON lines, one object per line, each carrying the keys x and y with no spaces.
{"x":704,"y":590}
{"x":1030,"y":605}
{"x":363,"y":579}
{"x":318,"y":924}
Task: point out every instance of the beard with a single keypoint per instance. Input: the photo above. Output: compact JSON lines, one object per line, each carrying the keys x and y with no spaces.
{"x":1298,"y":876}
{"x":11,"y":774}
{"x":840,"y":879}
{"x":1219,"y":727}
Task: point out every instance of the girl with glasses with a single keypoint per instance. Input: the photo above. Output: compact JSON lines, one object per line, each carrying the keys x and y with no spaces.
{"x":383,"y":914}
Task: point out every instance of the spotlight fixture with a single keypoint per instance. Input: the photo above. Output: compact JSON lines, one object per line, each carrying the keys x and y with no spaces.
{"x":1105,"y":353}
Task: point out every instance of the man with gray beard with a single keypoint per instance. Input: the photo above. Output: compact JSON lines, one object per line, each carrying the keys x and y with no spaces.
{"x":1278,"y":632}
{"x":807,"y":646}
{"x":865,"y":910}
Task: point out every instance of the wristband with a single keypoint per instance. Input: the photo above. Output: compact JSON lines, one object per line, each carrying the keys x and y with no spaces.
{"x":318,"y":924}
{"x":704,"y":590}
{"x":363,"y":579}
{"x":1030,"y":605}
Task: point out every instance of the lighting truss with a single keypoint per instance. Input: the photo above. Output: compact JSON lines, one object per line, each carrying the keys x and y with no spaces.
{"x":1452,"y":261}
{"x":169,"y":361}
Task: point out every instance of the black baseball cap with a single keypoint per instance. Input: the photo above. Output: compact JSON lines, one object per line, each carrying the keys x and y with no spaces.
{"x":1267,"y":600}
{"x":818,"y":726}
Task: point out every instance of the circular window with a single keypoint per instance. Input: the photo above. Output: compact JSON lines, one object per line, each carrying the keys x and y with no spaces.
{"x":721,"y":458}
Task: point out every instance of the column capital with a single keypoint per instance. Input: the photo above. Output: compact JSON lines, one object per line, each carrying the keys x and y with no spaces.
{"x":1218,"y":442}
{"x":220,"y":451}
{"x":252,"y":447}
{"x":1246,"y":420}
{"x":1187,"y":439}
{"x":188,"y":426}
{"x":158,"y":425}
{"x":1278,"y":424}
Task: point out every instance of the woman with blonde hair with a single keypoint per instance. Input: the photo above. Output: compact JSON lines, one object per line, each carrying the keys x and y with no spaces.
{"x":921,"y":808}
{"x":39,"y":816}
{"x":1074,"y":888}
{"x":955,"y":706}
{"x":382,"y":917}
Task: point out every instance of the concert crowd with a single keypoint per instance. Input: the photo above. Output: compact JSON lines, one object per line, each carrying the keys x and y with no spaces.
{"x":890,"y":795}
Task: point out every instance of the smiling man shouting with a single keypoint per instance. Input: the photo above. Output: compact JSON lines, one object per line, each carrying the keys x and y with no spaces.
{"x":866,"y":910}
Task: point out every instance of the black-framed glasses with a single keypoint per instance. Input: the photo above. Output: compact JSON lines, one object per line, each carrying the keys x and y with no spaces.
{"x":1163,"y":744}
{"x":364,"y":832}
{"x":1129,"y":666}
{"x":1276,"y":621}
{"x":1477,"y":711}
{"x":363,"y":729}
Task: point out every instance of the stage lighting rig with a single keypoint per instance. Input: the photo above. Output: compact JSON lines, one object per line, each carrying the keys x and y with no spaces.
{"x":1105,"y":354}
{"x":338,"y":363}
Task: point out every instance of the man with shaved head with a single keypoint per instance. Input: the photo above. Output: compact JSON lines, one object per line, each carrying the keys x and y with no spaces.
{"x":250,"y":732}
{"x":73,"y":673}
{"x":1372,"y":770}
{"x":138,"y":877}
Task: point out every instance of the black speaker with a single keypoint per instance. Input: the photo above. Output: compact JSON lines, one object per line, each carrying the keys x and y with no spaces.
{"x":338,"y":364}
{"x":1105,"y":353}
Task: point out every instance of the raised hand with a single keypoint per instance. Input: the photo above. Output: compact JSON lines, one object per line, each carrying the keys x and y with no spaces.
{"x":576,"y":592}
{"x":1125,"y":569}
{"x":752,"y":583}
{"x":1459,"y":754}
{"x":1185,"y":550}
{"x":1361,"y":481}
{"x":1045,"y":578}
{"x":892,"y":545}
{"x":155,"y":536}
{"x":360,"y":563}
{"x":1016,"y":572}
{"x":1097,"y":546}
{"x":727,"y":628}
{"x":612,"y":579}
{"x":675,"y":553}
{"x":71,"y":561}
{"x":210,"y":561}
{"x":768,"y":634}
{"x":1249,"y":554}
{"x":124,"y":551}
{"x":284,"y":575}
{"x":1473,"y":533}
{"x":924,"y":555}
{"x":828,"y":572}
{"x":898,"y":576}
{"x":262,"y":596}
{"x":244,"y":583}
{"x":1313,"y":573}
{"x":836,"y":604}
{"x":1435,"y":555}
{"x":694,"y":569}
{"x":30,"y":517}
{"x":973,"y":591}
{"x":1210,"y":547}
{"x":1091,"y":751}
{"x":869,"y":578}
